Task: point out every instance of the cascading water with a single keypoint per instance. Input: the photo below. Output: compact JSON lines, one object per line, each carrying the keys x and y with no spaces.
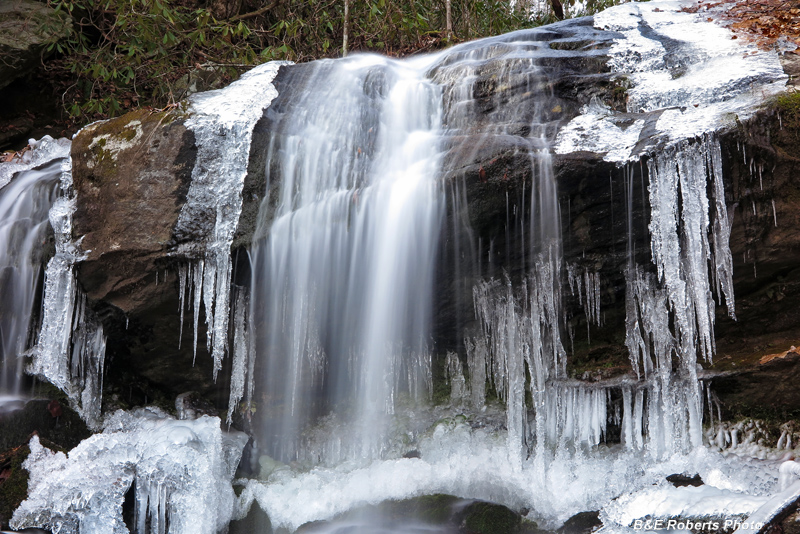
{"x":24,"y":225}
{"x":343,"y":272}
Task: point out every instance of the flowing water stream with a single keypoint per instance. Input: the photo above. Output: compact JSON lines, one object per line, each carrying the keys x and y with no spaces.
{"x":24,"y":227}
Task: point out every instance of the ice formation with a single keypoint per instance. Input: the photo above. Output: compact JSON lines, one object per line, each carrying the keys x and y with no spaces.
{"x":181,"y":472}
{"x":686,"y":503}
{"x":42,"y":151}
{"x":70,"y":350}
{"x":585,"y":284}
{"x":681,"y":65}
{"x":222,"y":122}
{"x":462,"y":457}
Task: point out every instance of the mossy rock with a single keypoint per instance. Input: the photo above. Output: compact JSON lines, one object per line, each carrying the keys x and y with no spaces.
{"x":450,"y":513}
{"x":581,"y":523}
{"x":13,"y":482}
{"x":488,"y":518}
{"x":65,"y":428}
{"x":436,"y":509}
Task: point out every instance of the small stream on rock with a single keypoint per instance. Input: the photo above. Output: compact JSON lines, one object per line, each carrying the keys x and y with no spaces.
{"x":345,"y":389}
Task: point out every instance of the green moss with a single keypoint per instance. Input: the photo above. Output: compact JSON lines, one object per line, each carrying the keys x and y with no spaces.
{"x":788,"y":107}
{"x":600,"y":360}
{"x":14,"y":489}
{"x":489,"y":518}
{"x":788,"y":103}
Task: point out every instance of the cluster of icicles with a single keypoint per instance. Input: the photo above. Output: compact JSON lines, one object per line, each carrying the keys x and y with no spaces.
{"x":669,"y":314}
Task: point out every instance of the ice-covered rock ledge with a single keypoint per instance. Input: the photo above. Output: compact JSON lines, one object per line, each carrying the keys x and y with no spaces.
{"x":684,"y":75}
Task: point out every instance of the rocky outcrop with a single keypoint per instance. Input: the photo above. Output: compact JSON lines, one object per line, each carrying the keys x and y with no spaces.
{"x":26,"y":29}
{"x":132,"y":175}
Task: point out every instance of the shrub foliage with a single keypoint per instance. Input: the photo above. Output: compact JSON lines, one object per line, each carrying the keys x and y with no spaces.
{"x":122,"y":54}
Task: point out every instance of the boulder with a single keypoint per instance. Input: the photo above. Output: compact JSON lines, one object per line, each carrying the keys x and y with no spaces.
{"x":581,"y":523}
{"x":131,"y":176}
{"x":27,"y":28}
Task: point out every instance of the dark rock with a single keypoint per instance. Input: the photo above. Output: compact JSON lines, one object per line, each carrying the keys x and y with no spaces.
{"x":581,"y":523}
{"x":26,"y":28}
{"x":679,"y":480}
{"x":451,"y":514}
{"x":489,"y":518}
{"x":54,"y":407}
{"x":66,"y":429}
{"x":255,"y":522}
{"x":14,"y":482}
{"x":759,"y":391}
{"x":131,"y":176}
{"x":413,"y":454}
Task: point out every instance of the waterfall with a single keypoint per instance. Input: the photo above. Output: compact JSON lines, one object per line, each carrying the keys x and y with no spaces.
{"x":366,"y":164}
{"x":343,"y":267}
{"x":24,"y":206}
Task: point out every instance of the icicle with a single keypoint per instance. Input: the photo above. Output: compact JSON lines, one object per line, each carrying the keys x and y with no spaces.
{"x":197,"y":275}
{"x":774,"y":214}
{"x":455,"y":375}
{"x":182,"y":275}
{"x":721,"y":233}
{"x":241,"y":352}
{"x":223,"y":133}
{"x":476,"y":363}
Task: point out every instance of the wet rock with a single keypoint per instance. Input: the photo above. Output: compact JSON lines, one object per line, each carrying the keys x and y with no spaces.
{"x":581,"y":523}
{"x":444,"y":511}
{"x":255,"y":522}
{"x":680,"y":480}
{"x":413,"y":454}
{"x":489,"y":518}
{"x":762,"y":391}
{"x":131,"y":177}
{"x":13,"y":482}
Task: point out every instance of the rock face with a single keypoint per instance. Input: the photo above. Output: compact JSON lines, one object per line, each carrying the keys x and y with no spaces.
{"x":131,"y":177}
{"x":26,"y":28}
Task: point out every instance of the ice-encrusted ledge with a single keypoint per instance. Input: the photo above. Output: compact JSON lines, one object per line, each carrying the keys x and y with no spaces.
{"x":687,"y":74}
